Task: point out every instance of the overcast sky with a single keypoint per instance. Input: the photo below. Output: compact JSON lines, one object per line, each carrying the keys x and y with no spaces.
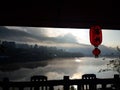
{"x":56,"y":36}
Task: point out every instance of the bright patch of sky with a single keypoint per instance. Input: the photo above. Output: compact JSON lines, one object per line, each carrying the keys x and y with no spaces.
{"x":80,"y":34}
{"x":111,"y":38}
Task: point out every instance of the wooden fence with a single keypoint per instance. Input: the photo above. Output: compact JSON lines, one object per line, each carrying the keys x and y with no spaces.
{"x":88,"y":82}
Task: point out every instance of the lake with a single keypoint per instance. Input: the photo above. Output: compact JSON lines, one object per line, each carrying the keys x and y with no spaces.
{"x":57,"y":68}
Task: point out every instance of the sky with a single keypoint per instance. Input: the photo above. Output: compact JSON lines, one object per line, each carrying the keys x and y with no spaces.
{"x":56,"y":36}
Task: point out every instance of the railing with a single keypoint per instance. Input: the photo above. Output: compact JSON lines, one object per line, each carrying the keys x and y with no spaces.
{"x":88,"y":82}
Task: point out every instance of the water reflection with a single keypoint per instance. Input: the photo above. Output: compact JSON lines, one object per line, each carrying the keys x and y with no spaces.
{"x":57,"y":68}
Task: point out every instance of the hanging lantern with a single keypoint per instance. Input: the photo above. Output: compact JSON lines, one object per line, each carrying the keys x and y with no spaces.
{"x":96,"y":39}
{"x":96,"y":52}
{"x":95,"y":35}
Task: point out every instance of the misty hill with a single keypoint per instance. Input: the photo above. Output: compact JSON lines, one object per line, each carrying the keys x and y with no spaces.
{"x":87,"y":50}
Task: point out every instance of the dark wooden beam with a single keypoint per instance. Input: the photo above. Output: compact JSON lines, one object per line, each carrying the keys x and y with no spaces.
{"x":65,"y":14}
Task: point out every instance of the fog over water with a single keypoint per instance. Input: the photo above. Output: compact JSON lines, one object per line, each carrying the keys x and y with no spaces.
{"x":57,"y":68}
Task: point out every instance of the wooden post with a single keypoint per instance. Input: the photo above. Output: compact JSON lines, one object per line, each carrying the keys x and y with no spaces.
{"x":103,"y":86}
{"x":21,"y":88}
{"x":79,"y":87}
{"x":117,"y":82}
{"x":51,"y":88}
{"x":36,"y":87}
{"x":6,"y":86}
{"x":66,"y":80}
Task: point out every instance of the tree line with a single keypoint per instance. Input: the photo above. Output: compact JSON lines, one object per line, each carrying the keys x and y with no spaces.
{"x":14,"y":52}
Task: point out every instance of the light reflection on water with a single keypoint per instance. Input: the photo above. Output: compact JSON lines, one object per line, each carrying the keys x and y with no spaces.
{"x":57,"y":68}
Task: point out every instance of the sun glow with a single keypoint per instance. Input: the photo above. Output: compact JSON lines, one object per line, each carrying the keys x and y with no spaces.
{"x":77,"y":60}
{"x":82,"y":35}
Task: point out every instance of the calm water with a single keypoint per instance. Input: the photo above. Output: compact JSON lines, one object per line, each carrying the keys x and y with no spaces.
{"x":57,"y":68}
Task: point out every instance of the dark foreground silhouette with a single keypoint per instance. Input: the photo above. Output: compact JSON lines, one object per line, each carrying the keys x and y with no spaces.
{"x":88,"y":82}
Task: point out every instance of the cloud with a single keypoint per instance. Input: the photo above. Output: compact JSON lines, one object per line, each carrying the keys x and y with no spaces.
{"x":15,"y":35}
{"x":66,"y":38}
{"x":16,"y":28}
{"x":35,"y":35}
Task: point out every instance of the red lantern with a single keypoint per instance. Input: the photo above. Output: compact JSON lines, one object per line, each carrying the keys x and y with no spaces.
{"x":96,"y":52}
{"x":95,"y":35}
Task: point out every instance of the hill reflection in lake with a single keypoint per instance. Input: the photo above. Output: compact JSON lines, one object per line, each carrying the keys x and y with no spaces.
{"x":57,"y":68}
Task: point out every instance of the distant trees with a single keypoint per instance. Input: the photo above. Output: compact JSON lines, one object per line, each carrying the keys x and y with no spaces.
{"x":24,"y":52}
{"x":35,"y":46}
{"x":2,"y":48}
